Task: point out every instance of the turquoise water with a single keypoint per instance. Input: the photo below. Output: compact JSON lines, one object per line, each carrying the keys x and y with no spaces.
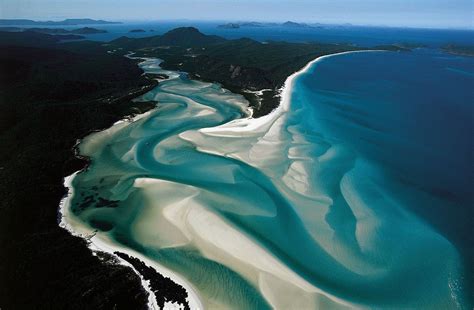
{"x":357,"y":196}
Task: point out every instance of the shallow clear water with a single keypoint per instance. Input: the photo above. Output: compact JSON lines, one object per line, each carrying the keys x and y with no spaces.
{"x":412,"y":114}
{"x":357,"y":195}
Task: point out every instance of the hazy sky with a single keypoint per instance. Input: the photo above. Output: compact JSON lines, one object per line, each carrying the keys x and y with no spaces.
{"x":424,"y":13}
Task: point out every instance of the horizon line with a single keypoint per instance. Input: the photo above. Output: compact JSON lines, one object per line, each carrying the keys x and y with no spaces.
{"x":59,"y":19}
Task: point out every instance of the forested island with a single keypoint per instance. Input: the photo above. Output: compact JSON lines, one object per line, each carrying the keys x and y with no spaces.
{"x":289,"y":24}
{"x":461,"y":50}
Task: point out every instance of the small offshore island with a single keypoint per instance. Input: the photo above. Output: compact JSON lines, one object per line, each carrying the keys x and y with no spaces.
{"x":288,"y":24}
{"x":186,"y":116}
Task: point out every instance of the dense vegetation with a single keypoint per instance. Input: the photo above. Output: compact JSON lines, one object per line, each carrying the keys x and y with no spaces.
{"x":48,"y":99}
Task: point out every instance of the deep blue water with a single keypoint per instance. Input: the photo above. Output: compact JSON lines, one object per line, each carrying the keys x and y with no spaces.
{"x":413,"y":112}
{"x":412,"y":116}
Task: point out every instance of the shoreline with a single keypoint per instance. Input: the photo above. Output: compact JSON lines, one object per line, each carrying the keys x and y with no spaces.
{"x":99,"y":242}
{"x":288,"y":86}
{"x":239,"y":126}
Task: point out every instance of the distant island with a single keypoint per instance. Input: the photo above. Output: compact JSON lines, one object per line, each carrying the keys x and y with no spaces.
{"x":295,"y":25}
{"x":291,"y":24}
{"x":137,"y":30}
{"x":66,"y":22}
{"x":237,"y":25}
{"x":88,"y":30}
{"x":254,"y":24}
{"x":229,"y":26}
{"x":459,"y":50}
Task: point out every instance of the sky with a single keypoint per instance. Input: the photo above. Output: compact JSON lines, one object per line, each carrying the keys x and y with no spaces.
{"x":407,"y":13}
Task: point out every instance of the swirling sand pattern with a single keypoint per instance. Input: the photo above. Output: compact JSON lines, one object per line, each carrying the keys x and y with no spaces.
{"x":258,"y":213}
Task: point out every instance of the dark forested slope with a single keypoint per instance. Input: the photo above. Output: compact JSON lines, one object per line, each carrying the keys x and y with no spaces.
{"x":48,"y":99}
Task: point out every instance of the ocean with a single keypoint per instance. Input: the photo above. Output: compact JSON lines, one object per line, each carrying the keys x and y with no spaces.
{"x":355,"y":192}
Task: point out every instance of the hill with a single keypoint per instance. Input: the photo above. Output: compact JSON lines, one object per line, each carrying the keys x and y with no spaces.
{"x":188,"y":36}
{"x":87,"y":30}
{"x":295,"y":25}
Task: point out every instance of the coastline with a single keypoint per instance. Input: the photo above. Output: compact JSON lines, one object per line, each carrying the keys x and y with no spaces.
{"x":93,"y":244}
{"x":288,"y":86}
{"x":101,"y":243}
{"x":239,"y":126}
